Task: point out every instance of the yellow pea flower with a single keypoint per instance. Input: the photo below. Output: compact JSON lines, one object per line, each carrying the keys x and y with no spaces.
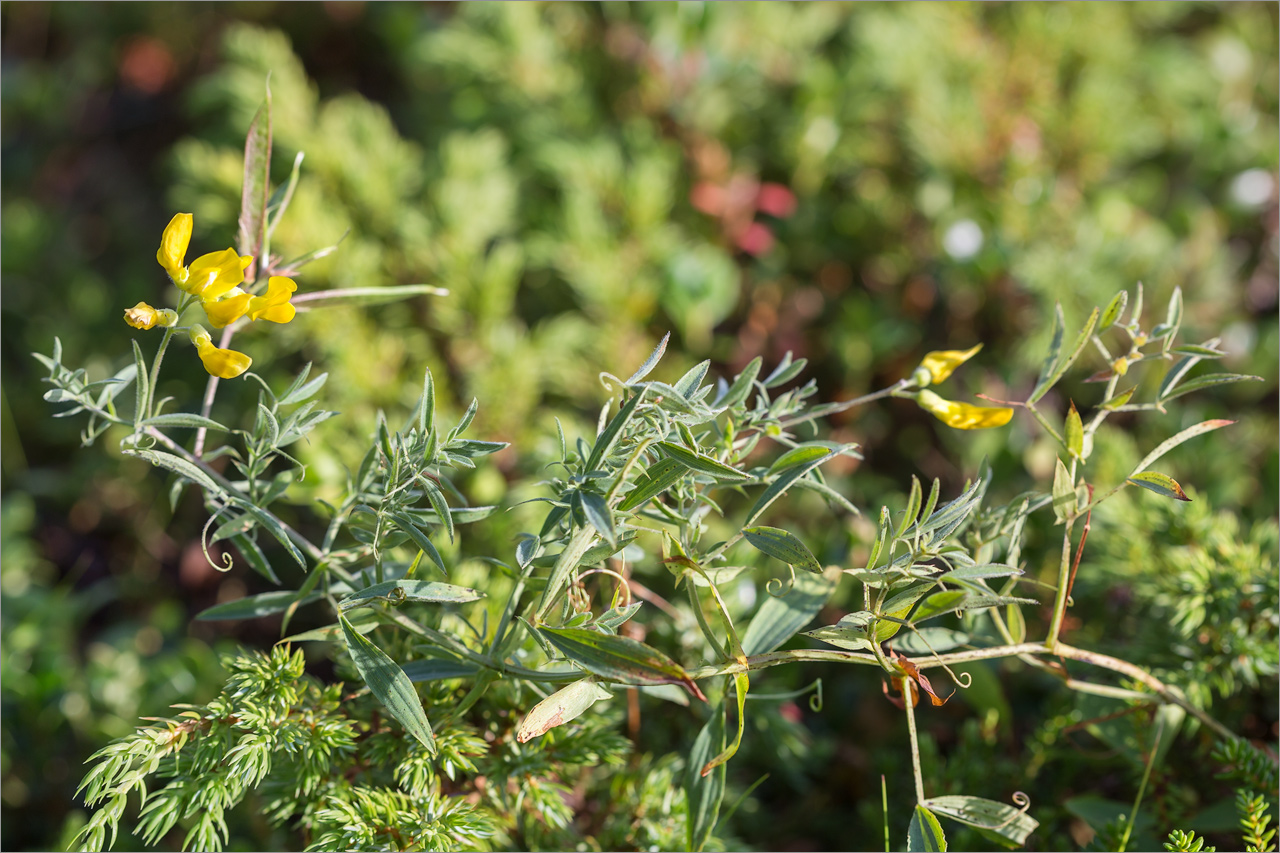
{"x":962,"y":415}
{"x":937,"y":366}
{"x":143,"y":316}
{"x":275,"y":305}
{"x":223,"y":363}
{"x":225,"y":311}
{"x":173,"y":247}
{"x":214,"y":275}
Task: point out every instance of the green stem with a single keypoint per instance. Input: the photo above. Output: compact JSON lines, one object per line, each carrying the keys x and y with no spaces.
{"x":155,"y":371}
{"x":835,"y":408}
{"x":1060,"y":600}
{"x":1044,"y":423}
{"x":911,"y":731}
{"x":1142,"y":788}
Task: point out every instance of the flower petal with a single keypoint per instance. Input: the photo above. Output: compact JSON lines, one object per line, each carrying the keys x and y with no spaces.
{"x":962,"y":415}
{"x":274,"y":306}
{"x":213,"y":275}
{"x":173,"y":246}
{"x":224,"y":312}
{"x":942,"y":363}
{"x":223,"y":363}
{"x":141,"y":316}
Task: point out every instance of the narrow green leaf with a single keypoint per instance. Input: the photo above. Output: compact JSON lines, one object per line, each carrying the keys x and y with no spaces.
{"x":661,"y":476}
{"x":598,"y":514}
{"x":253,"y":606}
{"x":800,"y":455}
{"x":741,"y":683}
{"x":619,"y":659}
{"x":741,"y":386}
{"x":1161,"y":484}
{"x":272,"y":525}
{"x":1114,"y":311}
{"x":924,"y":641}
{"x":651,"y":362}
{"x":785,"y":371}
{"x":1064,"y":492}
{"x":184,"y":420}
{"x":330,"y":633}
{"x":1198,"y":350}
{"x":179,"y":466}
{"x":980,"y":572}
{"x":1170,"y":443}
{"x":996,"y":820}
{"x":692,"y":379}
{"x":913,"y":508}
{"x":257,"y":167}
{"x":812,"y":457}
{"x":566,"y":704}
{"x":438,"y":669}
{"x":254,"y":556}
{"x":1113,"y":403}
{"x":363,"y":296}
{"x":704,"y":793}
{"x":783,"y":546}
{"x":427,"y":404}
{"x":435,"y":497}
{"x":270,"y":427}
{"x":780,"y":617}
{"x":407,"y":590}
{"x":607,"y":439}
{"x":142,"y":400}
{"x":388,"y":682}
{"x":940,"y":602}
{"x":1075,"y":433}
{"x":1016,"y":622}
{"x":925,"y":833}
{"x":1209,"y":380}
{"x":304,"y":392}
{"x":700,"y":463}
{"x":406,"y":525}
{"x":281,"y":198}
{"x":1055,"y":348}
{"x":1043,"y":386}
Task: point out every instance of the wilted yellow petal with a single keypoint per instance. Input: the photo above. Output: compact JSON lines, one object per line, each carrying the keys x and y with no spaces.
{"x":173,"y":246}
{"x":274,"y":306}
{"x":213,"y":275}
{"x":141,"y":316}
{"x":962,"y":415}
{"x":940,"y":364}
{"x":224,"y":312}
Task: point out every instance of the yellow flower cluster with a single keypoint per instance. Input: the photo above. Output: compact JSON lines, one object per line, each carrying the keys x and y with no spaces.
{"x":936,"y":367}
{"x":215,"y":280}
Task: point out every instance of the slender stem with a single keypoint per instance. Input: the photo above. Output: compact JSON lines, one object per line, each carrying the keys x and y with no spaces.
{"x":836,"y":408}
{"x":1044,"y":423}
{"x":1142,"y":788}
{"x":1060,"y":600}
{"x":908,"y":700}
{"x":155,"y":371}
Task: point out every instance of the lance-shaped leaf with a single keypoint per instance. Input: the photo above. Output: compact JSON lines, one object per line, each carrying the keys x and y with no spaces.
{"x":652,"y":361}
{"x":419,"y":538}
{"x":804,"y":460}
{"x":1060,"y":365}
{"x":783,"y":546}
{"x":741,"y":386}
{"x":1114,"y":311}
{"x":182,"y":419}
{"x":927,"y":641}
{"x":741,"y":683}
{"x":1075,"y":433}
{"x":998,"y":821}
{"x":1161,"y":484}
{"x":406,"y":590}
{"x":780,"y":617}
{"x":389,"y":684}
{"x":704,"y":793}
{"x":1170,"y":443}
{"x":619,"y":659}
{"x":1207,"y":381}
{"x":253,"y":606}
{"x":700,"y":463}
{"x":329,"y":633}
{"x":257,"y":560}
{"x":606,"y":440}
{"x":1064,"y":492}
{"x":597,"y":512}
{"x":567,"y":703}
{"x":661,"y":476}
{"x":925,"y":833}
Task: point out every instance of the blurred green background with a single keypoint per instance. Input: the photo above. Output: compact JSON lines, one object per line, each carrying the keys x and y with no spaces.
{"x":857,"y":184}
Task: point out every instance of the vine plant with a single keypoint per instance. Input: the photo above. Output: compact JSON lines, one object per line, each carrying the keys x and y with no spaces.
{"x":652,"y":484}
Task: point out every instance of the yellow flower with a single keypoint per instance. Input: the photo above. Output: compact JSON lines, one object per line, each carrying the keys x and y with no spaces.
{"x":962,"y":415}
{"x":214,"y":275}
{"x":223,"y":363}
{"x":225,"y":311}
{"x":173,"y":247}
{"x":937,"y":366}
{"x":274,"y":306}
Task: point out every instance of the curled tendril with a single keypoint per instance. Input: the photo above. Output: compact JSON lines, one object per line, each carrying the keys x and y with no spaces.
{"x":225,"y":557}
{"x":396,"y":596}
{"x":782,"y":587}
{"x":623,"y":584}
{"x":1023,"y":802}
{"x":815,"y":701}
{"x":964,"y":680}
